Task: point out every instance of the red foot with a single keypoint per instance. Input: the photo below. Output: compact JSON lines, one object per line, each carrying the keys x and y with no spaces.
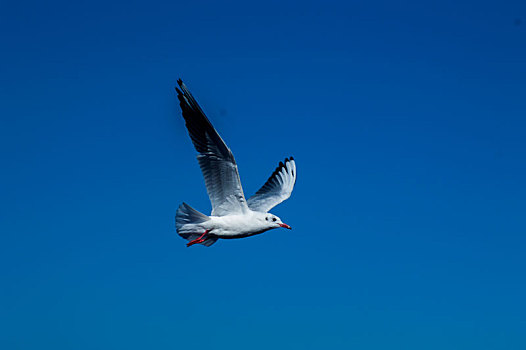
{"x":200,"y":239}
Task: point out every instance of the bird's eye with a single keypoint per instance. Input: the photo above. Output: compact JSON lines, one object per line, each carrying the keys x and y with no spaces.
{"x":266,"y":219}
{"x":273,"y":219}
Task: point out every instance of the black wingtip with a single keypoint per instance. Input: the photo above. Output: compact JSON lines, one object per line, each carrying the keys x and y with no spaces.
{"x":180,"y":95}
{"x":180,"y":82}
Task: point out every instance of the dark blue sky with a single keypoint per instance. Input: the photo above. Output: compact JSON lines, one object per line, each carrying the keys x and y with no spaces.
{"x":407,"y":122}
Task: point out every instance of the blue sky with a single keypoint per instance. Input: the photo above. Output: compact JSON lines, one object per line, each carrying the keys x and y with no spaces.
{"x":407,"y":123}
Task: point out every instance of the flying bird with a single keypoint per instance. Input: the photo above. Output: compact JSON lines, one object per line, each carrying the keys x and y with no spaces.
{"x":232,"y":215}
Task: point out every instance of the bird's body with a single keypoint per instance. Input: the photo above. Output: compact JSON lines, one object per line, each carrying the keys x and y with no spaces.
{"x":232,"y":226}
{"x":232,"y":215}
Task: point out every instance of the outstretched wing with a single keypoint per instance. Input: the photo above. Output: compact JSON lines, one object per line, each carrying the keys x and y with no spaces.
{"x":215,"y":158}
{"x":277,"y":188}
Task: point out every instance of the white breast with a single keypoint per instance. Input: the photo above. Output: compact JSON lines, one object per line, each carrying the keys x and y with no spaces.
{"x":236,"y":225}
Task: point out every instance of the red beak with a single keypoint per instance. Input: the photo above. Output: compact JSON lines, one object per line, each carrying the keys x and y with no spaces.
{"x":285,"y":226}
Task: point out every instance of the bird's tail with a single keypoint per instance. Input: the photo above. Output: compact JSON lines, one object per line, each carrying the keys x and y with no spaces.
{"x":187,"y":221}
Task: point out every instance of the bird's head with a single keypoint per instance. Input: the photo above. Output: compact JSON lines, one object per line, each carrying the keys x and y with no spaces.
{"x":274,"y":222}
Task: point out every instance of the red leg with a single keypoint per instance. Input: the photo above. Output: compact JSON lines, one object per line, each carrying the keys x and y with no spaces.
{"x":200,"y":239}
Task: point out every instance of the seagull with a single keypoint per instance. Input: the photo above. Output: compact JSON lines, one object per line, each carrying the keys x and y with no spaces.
{"x":232,"y":215}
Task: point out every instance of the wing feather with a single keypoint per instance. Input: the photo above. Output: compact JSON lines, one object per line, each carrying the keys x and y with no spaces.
{"x":278,"y":187}
{"x":217,"y":162}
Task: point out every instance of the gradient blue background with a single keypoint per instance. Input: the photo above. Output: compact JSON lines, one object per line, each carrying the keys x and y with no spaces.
{"x":407,"y":121}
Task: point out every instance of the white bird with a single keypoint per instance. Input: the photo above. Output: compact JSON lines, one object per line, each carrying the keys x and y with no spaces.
{"x":232,"y":215}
